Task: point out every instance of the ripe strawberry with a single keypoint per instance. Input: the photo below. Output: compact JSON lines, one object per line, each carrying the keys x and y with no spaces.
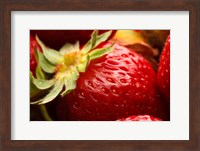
{"x":140,"y":118}
{"x":163,"y":76}
{"x":33,"y":44}
{"x":107,"y":82}
{"x":119,"y":84}
{"x":57,"y":38}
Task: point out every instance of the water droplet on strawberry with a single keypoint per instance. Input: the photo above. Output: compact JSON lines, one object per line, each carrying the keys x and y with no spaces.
{"x":142,"y":79}
{"x":104,"y":90}
{"x":81,"y":95}
{"x":114,"y":91}
{"x":137,"y":84}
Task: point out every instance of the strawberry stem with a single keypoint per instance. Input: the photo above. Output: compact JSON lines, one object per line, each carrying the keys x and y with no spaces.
{"x":45,"y":113}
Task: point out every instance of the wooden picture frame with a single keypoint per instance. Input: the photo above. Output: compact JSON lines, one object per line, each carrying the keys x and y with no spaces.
{"x":7,"y":6}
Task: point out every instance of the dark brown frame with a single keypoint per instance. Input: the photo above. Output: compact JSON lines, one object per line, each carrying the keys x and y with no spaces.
{"x":6,"y":6}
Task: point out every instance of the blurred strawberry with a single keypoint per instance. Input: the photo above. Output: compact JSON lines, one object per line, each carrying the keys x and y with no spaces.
{"x":57,"y":38}
{"x":140,"y":118}
{"x":163,"y":76}
{"x":33,"y":62}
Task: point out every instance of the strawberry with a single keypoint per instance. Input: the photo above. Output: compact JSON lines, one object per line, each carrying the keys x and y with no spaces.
{"x":163,"y":76}
{"x":57,"y":38}
{"x":102,"y":81}
{"x":140,"y":118}
{"x":33,"y":44}
{"x":120,"y":84}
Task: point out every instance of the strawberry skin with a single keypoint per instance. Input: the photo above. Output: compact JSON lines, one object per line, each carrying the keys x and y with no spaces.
{"x":140,"y":118}
{"x":117,"y":85}
{"x":163,"y":76}
{"x":33,"y":62}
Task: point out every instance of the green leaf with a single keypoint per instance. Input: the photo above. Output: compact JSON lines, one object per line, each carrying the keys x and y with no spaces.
{"x":39,"y":73}
{"x":66,"y":48}
{"x":97,"y":53}
{"x":70,"y":85}
{"x":83,"y":63}
{"x":95,"y":41}
{"x":45,"y":64}
{"x":87,"y":47}
{"x":36,"y":54}
{"x":70,"y":81}
{"x":103,"y":37}
{"x":69,"y":48}
{"x":91,"y":43}
{"x":43,"y":84}
{"x":74,"y":73}
{"x":33,"y":89}
{"x":54,"y":92}
{"x":51,"y":55}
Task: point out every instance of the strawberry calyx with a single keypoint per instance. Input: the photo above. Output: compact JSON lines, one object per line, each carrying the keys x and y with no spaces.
{"x":58,"y":71}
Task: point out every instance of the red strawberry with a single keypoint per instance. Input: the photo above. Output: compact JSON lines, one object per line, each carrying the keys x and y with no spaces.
{"x":163,"y":76}
{"x":118,"y":85}
{"x":57,"y":38}
{"x":140,"y":118}
{"x":33,"y":44}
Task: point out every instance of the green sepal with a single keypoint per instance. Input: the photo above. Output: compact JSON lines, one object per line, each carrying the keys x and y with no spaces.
{"x":43,"y":84}
{"x":53,"y":93}
{"x":103,"y":37}
{"x":70,"y":84}
{"x":97,"y":53}
{"x":36,"y":54}
{"x":83,"y":63}
{"x":95,"y":41}
{"x":33,"y":89}
{"x":39,"y":73}
{"x":88,"y":46}
{"x":69,"y":48}
{"x":45,"y":64}
{"x":51,"y":55}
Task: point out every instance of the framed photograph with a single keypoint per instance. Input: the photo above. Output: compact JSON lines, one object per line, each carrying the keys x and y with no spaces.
{"x":80,"y":75}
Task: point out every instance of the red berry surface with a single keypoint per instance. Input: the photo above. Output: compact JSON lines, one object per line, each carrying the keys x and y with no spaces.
{"x":117,"y":85}
{"x":140,"y":118}
{"x":163,"y":76}
{"x":33,"y":44}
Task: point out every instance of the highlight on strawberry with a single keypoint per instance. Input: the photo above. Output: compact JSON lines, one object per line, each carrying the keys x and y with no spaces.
{"x":140,"y":118}
{"x":98,"y":80}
